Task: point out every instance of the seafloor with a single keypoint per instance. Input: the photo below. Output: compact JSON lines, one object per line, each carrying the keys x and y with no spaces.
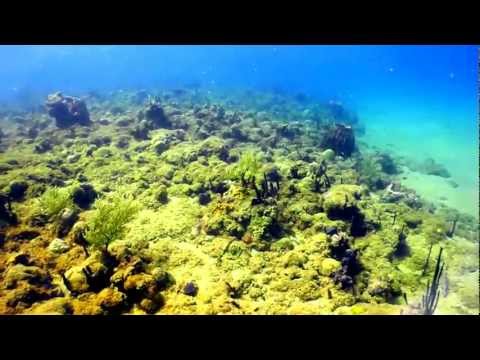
{"x":189,"y":202}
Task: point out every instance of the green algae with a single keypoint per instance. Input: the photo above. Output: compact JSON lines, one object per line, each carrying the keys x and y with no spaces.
{"x":108,"y":219}
{"x":54,"y":200}
{"x":272,"y":257}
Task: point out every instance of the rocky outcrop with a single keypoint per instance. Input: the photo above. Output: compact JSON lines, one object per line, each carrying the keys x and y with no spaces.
{"x":67,"y":110}
{"x":7,"y":217}
{"x":155,"y":115}
{"x":339,"y":138}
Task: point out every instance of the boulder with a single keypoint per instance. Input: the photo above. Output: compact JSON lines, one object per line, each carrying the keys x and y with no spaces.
{"x":17,"y":190}
{"x":339,"y":138}
{"x":111,"y":300}
{"x":156,"y":117}
{"x":58,"y":246}
{"x":67,"y":219}
{"x":76,"y":280}
{"x":67,"y":110}
{"x":55,"y":306}
{"x":84,"y":195}
{"x":340,"y":202}
{"x":7,"y":217}
{"x":20,"y":272}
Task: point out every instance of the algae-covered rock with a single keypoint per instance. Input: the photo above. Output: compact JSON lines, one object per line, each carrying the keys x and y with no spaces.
{"x":149,"y":306}
{"x":369,"y":309}
{"x":55,"y":306}
{"x":413,"y":219}
{"x":264,"y":225}
{"x":214,"y":146}
{"x":283,"y":245}
{"x":67,"y":219}
{"x":111,"y":300}
{"x":84,"y":195}
{"x":163,"y":140}
{"x":329,"y":266}
{"x":341,"y":201}
{"x":20,"y":272}
{"x":385,"y":287}
{"x":340,"y":138}
{"x":77,"y":280}
{"x":328,"y":155}
{"x":27,"y":294}
{"x":156,"y":117}
{"x":86,"y":304}
{"x":122,"y":142}
{"x":58,"y":246}
{"x":67,"y":110}
{"x":161,"y":195}
{"x":140,"y":283}
{"x":144,"y":289}
{"x":17,"y":189}
{"x":293,"y":259}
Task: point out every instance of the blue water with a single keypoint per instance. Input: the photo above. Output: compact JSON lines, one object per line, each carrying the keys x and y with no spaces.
{"x":421,"y":99}
{"x":442,"y":77}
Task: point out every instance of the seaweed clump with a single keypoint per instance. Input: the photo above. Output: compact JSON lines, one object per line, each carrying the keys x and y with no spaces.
{"x":109,"y":219}
{"x":247,"y":168}
{"x":54,"y":200}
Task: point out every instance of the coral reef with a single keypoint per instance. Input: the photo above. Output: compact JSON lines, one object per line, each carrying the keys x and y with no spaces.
{"x":195,"y":202}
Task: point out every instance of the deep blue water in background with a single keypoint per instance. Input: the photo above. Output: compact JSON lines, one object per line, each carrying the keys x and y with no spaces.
{"x":417,"y":76}
{"x":428,"y":92}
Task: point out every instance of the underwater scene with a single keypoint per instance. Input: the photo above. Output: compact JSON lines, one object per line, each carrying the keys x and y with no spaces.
{"x":235,"y":179}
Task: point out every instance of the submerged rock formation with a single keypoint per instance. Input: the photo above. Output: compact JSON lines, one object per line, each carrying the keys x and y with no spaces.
{"x":341,"y":114}
{"x":341,"y":139}
{"x":156,"y":117}
{"x":67,"y":110}
{"x":7,"y":217}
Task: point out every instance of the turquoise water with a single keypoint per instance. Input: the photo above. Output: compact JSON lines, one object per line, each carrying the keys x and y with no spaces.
{"x":418,"y":101}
